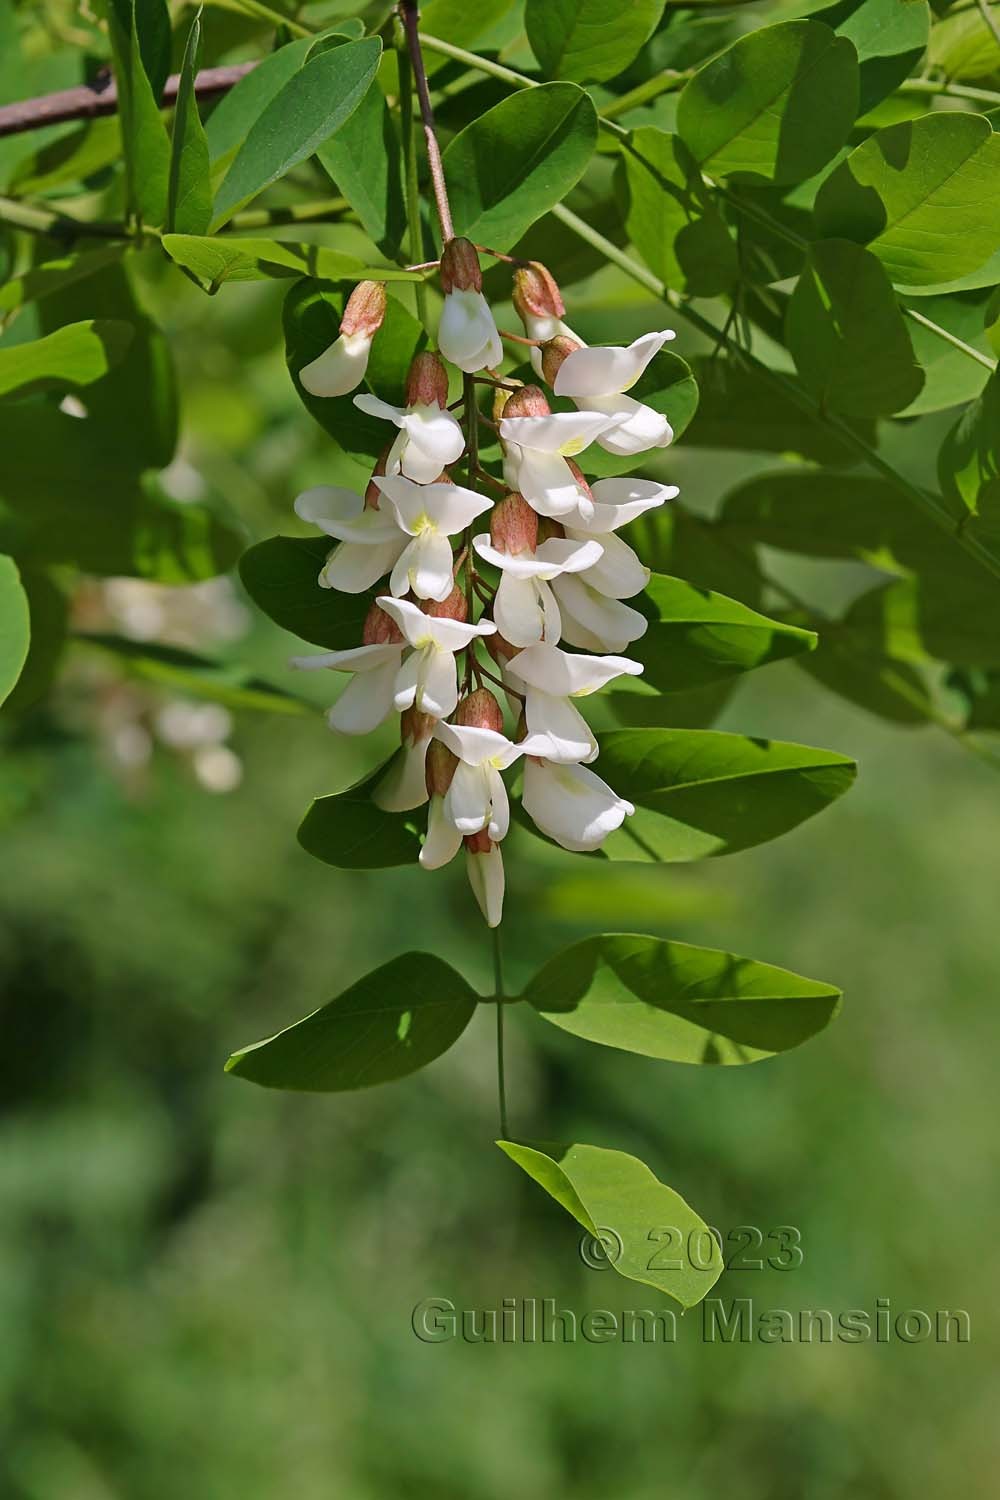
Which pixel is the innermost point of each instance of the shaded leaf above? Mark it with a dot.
(890, 37)
(228, 683)
(347, 830)
(15, 626)
(397, 1019)
(280, 575)
(737, 411)
(53, 275)
(617, 1199)
(218, 259)
(671, 221)
(240, 108)
(139, 31)
(969, 461)
(674, 1001)
(189, 192)
(364, 159)
(75, 355)
(588, 41)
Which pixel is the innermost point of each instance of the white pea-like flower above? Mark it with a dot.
(428, 515)
(404, 785)
(537, 443)
(371, 542)
(618, 573)
(593, 621)
(539, 304)
(477, 798)
(597, 380)
(368, 698)
(467, 334)
(549, 680)
(484, 867)
(342, 367)
(429, 436)
(427, 679)
(525, 608)
(571, 804)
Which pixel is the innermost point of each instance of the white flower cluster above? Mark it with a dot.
(556, 571)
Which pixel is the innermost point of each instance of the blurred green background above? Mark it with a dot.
(206, 1287)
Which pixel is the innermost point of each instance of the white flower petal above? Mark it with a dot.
(328, 502)
(499, 822)
(447, 508)
(566, 675)
(375, 407)
(592, 621)
(355, 659)
(468, 335)
(435, 440)
(354, 566)
(407, 682)
(437, 690)
(443, 839)
(636, 429)
(554, 556)
(404, 785)
(409, 617)
(365, 702)
(486, 878)
(455, 635)
(619, 574)
(619, 501)
(520, 609)
(474, 747)
(467, 800)
(605, 372)
(546, 482)
(571, 804)
(558, 726)
(565, 432)
(426, 567)
(340, 368)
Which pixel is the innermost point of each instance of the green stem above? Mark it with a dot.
(660, 83)
(59, 226)
(292, 213)
(942, 86)
(264, 13)
(415, 237)
(931, 505)
(499, 996)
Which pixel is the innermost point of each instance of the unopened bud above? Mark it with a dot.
(365, 309)
(536, 293)
(500, 648)
(380, 629)
(529, 401)
(414, 726)
(373, 494)
(478, 843)
(577, 473)
(460, 269)
(548, 528)
(455, 607)
(553, 354)
(480, 710)
(439, 768)
(514, 525)
(427, 382)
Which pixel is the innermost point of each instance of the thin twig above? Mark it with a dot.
(409, 16)
(498, 987)
(91, 100)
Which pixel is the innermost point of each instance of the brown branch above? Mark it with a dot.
(408, 14)
(92, 100)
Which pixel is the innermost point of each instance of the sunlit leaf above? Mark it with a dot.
(672, 221)
(74, 356)
(217, 259)
(15, 626)
(189, 194)
(364, 159)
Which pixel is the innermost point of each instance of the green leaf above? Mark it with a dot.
(75, 355)
(948, 614)
(305, 112)
(230, 121)
(53, 275)
(588, 41)
(846, 333)
(969, 461)
(196, 676)
(673, 1001)
(852, 669)
(699, 792)
(218, 259)
(671, 220)
(140, 42)
(737, 411)
(518, 160)
(15, 626)
(776, 105)
(364, 159)
(397, 1019)
(189, 193)
(49, 610)
(618, 1200)
(921, 195)
(348, 831)
(280, 575)
(890, 37)
(963, 46)
(697, 637)
(311, 319)
(668, 386)
(950, 376)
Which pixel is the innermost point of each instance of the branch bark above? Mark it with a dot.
(91, 100)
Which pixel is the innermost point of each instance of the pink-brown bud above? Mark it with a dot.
(500, 648)
(480, 710)
(414, 726)
(460, 269)
(548, 528)
(536, 293)
(439, 768)
(553, 354)
(373, 494)
(529, 401)
(365, 309)
(455, 607)
(577, 473)
(427, 382)
(380, 629)
(514, 525)
(478, 843)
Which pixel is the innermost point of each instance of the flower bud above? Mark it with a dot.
(577, 474)
(514, 525)
(500, 648)
(414, 726)
(439, 769)
(427, 382)
(455, 607)
(365, 309)
(460, 269)
(480, 710)
(529, 401)
(380, 629)
(478, 843)
(373, 494)
(536, 294)
(553, 353)
(548, 528)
